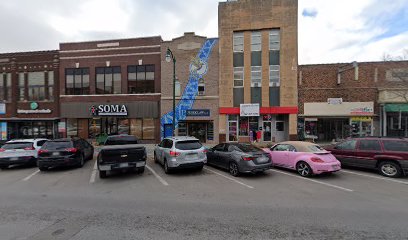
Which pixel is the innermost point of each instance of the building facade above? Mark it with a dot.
(196, 88)
(258, 70)
(111, 87)
(337, 101)
(29, 95)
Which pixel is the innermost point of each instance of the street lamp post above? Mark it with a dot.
(169, 57)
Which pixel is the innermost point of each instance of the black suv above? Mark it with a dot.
(64, 152)
(388, 155)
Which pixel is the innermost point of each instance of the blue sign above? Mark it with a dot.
(2, 108)
(198, 113)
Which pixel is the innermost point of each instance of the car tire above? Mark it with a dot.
(141, 170)
(4, 167)
(304, 169)
(155, 158)
(200, 168)
(390, 169)
(91, 156)
(43, 169)
(166, 167)
(103, 174)
(233, 169)
(81, 161)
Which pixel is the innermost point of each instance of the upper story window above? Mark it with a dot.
(50, 90)
(274, 58)
(238, 59)
(256, 41)
(201, 87)
(21, 87)
(238, 77)
(238, 42)
(141, 79)
(108, 80)
(77, 81)
(5, 87)
(36, 86)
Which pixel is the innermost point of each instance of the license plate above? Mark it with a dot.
(336, 167)
(13, 158)
(140, 164)
(262, 160)
(55, 153)
(123, 165)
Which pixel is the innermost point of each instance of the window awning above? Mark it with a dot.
(396, 107)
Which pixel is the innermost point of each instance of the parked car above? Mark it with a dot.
(388, 155)
(239, 158)
(180, 152)
(64, 153)
(304, 157)
(20, 152)
(121, 152)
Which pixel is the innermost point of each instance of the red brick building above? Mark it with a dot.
(29, 94)
(111, 87)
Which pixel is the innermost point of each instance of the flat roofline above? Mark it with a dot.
(117, 39)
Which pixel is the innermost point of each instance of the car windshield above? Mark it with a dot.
(248, 148)
(121, 140)
(57, 145)
(188, 145)
(17, 145)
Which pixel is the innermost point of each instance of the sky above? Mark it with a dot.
(330, 31)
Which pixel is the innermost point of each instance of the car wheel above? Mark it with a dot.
(390, 169)
(43, 169)
(166, 167)
(91, 156)
(3, 167)
(233, 169)
(155, 158)
(141, 170)
(103, 174)
(304, 169)
(81, 161)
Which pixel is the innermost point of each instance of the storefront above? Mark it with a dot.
(395, 119)
(91, 120)
(337, 120)
(253, 123)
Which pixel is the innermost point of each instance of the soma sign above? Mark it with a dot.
(109, 110)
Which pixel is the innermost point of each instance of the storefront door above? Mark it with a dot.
(280, 131)
(267, 134)
(198, 130)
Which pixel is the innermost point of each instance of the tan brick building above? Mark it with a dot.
(197, 62)
(353, 99)
(258, 68)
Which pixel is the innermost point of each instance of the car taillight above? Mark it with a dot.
(316, 160)
(29, 148)
(42, 151)
(247, 158)
(71, 150)
(2, 150)
(174, 153)
(205, 151)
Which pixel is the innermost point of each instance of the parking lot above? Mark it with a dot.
(351, 204)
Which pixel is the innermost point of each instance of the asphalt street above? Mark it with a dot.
(209, 204)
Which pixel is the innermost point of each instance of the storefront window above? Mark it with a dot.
(35, 129)
(311, 129)
(182, 129)
(136, 128)
(123, 126)
(94, 127)
(232, 131)
(72, 127)
(210, 131)
(148, 128)
(243, 126)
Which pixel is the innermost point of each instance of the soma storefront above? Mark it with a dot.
(93, 120)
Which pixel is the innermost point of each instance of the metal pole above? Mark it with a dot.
(174, 95)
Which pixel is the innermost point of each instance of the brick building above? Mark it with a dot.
(352, 99)
(29, 94)
(258, 69)
(111, 87)
(196, 87)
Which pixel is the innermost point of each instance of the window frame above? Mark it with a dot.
(111, 74)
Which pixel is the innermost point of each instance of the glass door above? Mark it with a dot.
(267, 136)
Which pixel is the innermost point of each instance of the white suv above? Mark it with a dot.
(20, 152)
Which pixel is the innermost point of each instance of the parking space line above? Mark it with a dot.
(93, 174)
(383, 178)
(157, 176)
(234, 180)
(315, 181)
(30, 176)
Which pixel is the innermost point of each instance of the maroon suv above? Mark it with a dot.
(388, 155)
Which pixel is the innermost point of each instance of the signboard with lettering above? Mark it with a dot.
(361, 111)
(2, 108)
(361, 119)
(198, 113)
(109, 110)
(335, 101)
(3, 131)
(249, 110)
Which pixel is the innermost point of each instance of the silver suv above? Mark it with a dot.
(180, 152)
(20, 152)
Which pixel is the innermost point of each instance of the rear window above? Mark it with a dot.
(57, 145)
(188, 145)
(121, 140)
(396, 146)
(17, 145)
(248, 148)
(315, 148)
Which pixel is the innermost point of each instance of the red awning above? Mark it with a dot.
(263, 110)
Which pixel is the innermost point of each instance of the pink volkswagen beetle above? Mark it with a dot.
(304, 157)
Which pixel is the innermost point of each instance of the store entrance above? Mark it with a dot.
(198, 130)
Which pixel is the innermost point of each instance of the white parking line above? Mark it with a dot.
(157, 176)
(234, 180)
(382, 178)
(30, 176)
(315, 181)
(93, 174)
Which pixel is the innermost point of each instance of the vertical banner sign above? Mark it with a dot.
(2, 108)
(3, 130)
